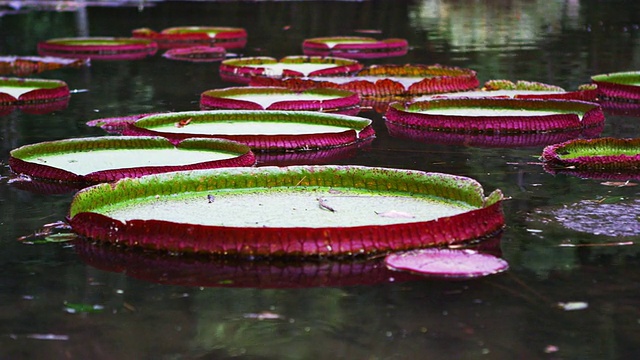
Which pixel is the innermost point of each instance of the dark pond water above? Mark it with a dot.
(572, 292)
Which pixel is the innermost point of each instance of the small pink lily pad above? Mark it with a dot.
(34, 96)
(447, 263)
(196, 54)
(355, 47)
(98, 48)
(189, 36)
(620, 85)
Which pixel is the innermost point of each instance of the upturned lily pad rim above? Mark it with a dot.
(188, 36)
(219, 98)
(617, 155)
(99, 47)
(356, 128)
(487, 217)
(46, 91)
(622, 85)
(196, 53)
(567, 118)
(19, 157)
(27, 65)
(355, 47)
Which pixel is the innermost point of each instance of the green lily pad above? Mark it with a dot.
(301, 211)
(98, 48)
(36, 96)
(280, 98)
(619, 85)
(496, 116)
(189, 36)
(27, 65)
(100, 159)
(355, 47)
(268, 130)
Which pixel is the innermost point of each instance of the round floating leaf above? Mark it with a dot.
(103, 159)
(520, 90)
(447, 263)
(197, 54)
(299, 211)
(117, 125)
(206, 271)
(281, 98)
(267, 130)
(35, 96)
(243, 69)
(354, 47)
(496, 116)
(99, 48)
(619, 85)
(595, 157)
(27, 65)
(190, 36)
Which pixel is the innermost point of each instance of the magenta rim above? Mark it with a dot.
(353, 47)
(99, 48)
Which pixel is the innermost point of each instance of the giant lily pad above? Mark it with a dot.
(380, 84)
(189, 36)
(301, 211)
(103, 159)
(496, 116)
(620, 158)
(196, 54)
(98, 48)
(280, 98)
(27, 65)
(241, 70)
(268, 130)
(520, 90)
(354, 47)
(446, 263)
(118, 124)
(619, 85)
(35, 96)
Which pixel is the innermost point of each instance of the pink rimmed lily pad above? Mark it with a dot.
(355, 47)
(496, 116)
(196, 54)
(98, 48)
(118, 124)
(608, 157)
(385, 83)
(262, 130)
(619, 85)
(190, 36)
(27, 65)
(105, 159)
(241, 70)
(520, 90)
(281, 98)
(287, 211)
(35, 96)
(447, 263)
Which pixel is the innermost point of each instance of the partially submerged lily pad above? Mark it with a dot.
(355, 47)
(301, 211)
(520, 90)
(496, 116)
(103, 159)
(281, 98)
(118, 124)
(27, 65)
(595, 157)
(619, 85)
(35, 96)
(447, 263)
(266, 130)
(189, 36)
(196, 54)
(241, 70)
(98, 48)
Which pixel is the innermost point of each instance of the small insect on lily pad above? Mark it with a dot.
(447, 263)
(27, 65)
(196, 54)
(355, 47)
(36, 96)
(189, 36)
(620, 158)
(520, 90)
(288, 211)
(98, 48)
(104, 159)
(496, 116)
(619, 85)
(262, 130)
(241, 70)
(281, 98)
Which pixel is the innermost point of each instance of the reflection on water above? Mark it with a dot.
(515, 315)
